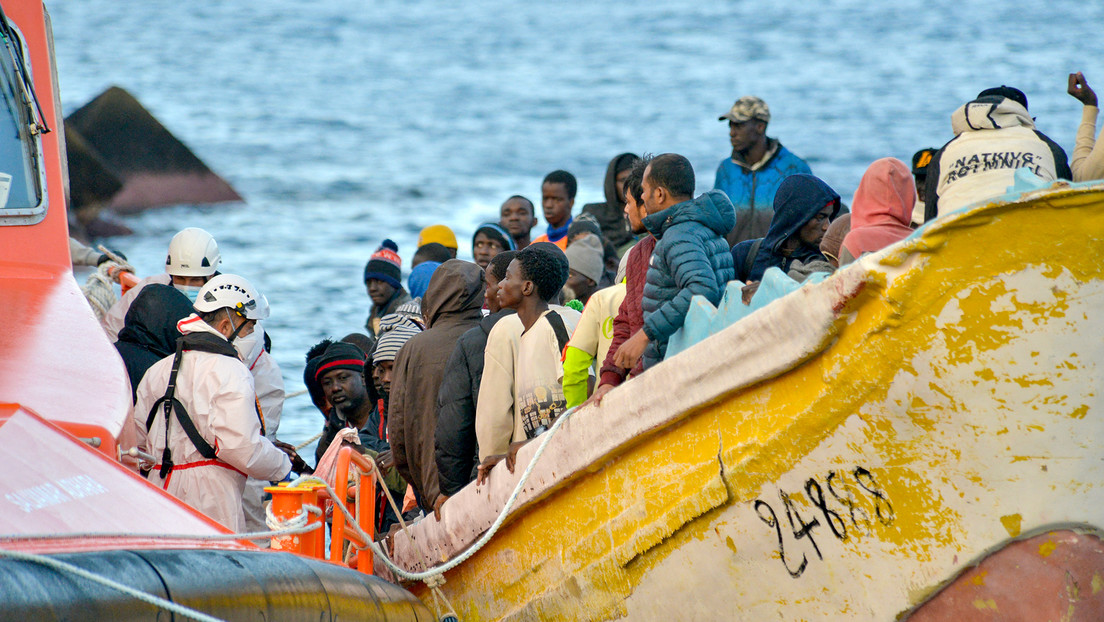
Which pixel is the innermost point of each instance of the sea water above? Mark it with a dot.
(344, 122)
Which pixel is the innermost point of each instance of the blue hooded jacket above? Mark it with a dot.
(691, 257)
(752, 191)
(797, 201)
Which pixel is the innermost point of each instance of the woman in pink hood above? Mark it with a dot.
(882, 209)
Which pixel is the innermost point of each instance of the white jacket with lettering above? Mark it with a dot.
(217, 393)
(994, 136)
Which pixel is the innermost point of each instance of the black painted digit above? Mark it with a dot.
(881, 501)
(806, 530)
(848, 501)
(835, 522)
(772, 521)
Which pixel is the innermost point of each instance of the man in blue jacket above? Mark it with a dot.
(691, 255)
(750, 177)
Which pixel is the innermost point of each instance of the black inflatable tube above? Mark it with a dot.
(228, 584)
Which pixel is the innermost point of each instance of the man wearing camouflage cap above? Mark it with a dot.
(757, 166)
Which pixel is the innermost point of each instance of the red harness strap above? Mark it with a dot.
(192, 465)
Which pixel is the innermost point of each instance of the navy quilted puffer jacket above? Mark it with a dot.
(691, 257)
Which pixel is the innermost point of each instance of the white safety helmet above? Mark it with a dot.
(231, 291)
(192, 252)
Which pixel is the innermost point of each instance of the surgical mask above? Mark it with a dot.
(191, 291)
(237, 332)
(250, 346)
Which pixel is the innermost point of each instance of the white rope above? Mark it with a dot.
(292, 524)
(440, 570)
(156, 601)
(309, 441)
(295, 393)
(124, 265)
(99, 290)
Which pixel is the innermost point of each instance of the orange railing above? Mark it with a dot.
(364, 511)
(125, 278)
(288, 502)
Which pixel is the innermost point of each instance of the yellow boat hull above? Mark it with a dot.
(845, 452)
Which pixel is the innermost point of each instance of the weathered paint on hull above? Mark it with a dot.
(948, 406)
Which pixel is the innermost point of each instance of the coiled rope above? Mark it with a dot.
(99, 290)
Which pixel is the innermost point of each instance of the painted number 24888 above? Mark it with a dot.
(842, 513)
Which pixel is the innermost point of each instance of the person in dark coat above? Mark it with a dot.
(452, 305)
(803, 208)
(455, 448)
(149, 331)
(611, 214)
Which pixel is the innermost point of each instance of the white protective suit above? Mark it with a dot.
(269, 383)
(113, 322)
(217, 393)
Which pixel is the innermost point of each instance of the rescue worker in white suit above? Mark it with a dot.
(196, 411)
(268, 382)
(193, 260)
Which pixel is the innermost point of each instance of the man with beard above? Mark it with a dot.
(357, 405)
(340, 374)
(758, 164)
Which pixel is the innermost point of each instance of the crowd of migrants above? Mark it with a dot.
(469, 361)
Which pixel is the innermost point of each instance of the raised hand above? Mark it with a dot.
(1080, 90)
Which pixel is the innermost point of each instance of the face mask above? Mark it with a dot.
(191, 291)
(250, 346)
(237, 332)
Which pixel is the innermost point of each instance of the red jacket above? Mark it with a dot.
(630, 315)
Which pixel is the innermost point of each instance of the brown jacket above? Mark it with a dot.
(451, 306)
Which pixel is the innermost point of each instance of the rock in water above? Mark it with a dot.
(91, 180)
(154, 166)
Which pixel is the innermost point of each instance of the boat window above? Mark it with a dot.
(20, 181)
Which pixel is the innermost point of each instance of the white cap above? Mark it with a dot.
(232, 292)
(192, 252)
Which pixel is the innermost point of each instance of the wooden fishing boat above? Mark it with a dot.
(915, 437)
(71, 513)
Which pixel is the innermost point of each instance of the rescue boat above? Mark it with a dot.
(914, 437)
(82, 536)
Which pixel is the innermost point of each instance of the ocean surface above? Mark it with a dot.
(346, 122)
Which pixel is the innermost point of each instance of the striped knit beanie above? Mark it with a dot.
(394, 331)
(385, 265)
